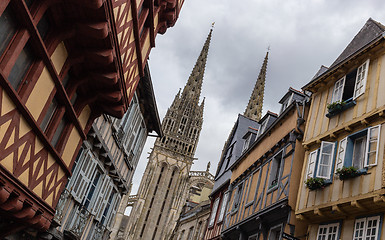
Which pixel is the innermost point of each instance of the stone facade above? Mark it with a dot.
(164, 187)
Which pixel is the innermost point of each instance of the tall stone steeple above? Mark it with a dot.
(164, 186)
(254, 108)
(183, 121)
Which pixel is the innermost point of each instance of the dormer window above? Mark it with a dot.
(246, 143)
(286, 103)
(352, 85)
(263, 126)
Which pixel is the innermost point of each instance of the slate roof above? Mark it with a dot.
(369, 32)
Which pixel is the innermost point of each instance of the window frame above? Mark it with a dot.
(365, 220)
(214, 212)
(278, 172)
(362, 80)
(237, 197)
(327, 227)
(223, 207)
(320, 157)
(346, 151)
(275, 228)
(340, 88)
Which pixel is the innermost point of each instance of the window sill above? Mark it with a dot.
(340, 108)
(359, 172)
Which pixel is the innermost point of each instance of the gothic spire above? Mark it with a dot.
(254, 108)
(193, 87)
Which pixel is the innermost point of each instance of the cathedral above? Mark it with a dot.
(165, 185)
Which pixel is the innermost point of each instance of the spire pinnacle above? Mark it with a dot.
(193, 87)
(254, 108)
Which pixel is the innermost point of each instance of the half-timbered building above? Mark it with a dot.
(63, 64)
(265, 178)
(342, 187)
(246, 127)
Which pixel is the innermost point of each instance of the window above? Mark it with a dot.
(58, 132)
(214, 211)
(181, 235)
(223, 207)
(49, 114)
(352, 85)
(362, 73)
(237, 197)
(338, 90)
(246, 143)
(328, 232)
(7, 28)
(253, 237)
(275, 169)
(275, 233)
(359, 149)
(21, 67)
(366, 228)
(190, 233)
(320, 161)
(91, 189)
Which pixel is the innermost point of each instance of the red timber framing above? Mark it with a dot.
(105, 45)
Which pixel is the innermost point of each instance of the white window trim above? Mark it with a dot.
(341, 89)
(364, 79)
(222, 211)
(341, 154)
(365, 220)
(214, 211)
(246, 143)
(366, 164)
(311, 164)
(331, 160)
(279, 226)
(328, 226)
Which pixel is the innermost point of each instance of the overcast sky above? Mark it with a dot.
(302, 35)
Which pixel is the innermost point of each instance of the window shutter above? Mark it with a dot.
(83, 176)
(341, 154)
(100, 195)
(372, 146)
(325, 161)
(362, 74)
(104, 194)
(114, 209)
(311, 164)
(338, 90)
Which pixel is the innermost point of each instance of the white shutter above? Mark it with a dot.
(325, 160)
(341, 154)
(372, 146)
(312, 159)
(338, 90)
(103, 196)
(114, 208)
(362, 74)
(83, 176)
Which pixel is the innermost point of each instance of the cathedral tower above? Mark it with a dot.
(163, 188)
(254, 108)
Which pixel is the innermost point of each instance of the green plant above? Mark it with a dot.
(315, 183)
(347, 172)
(335, 105)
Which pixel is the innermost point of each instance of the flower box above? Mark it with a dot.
(315, 183)
(338, 107)
(348, 172)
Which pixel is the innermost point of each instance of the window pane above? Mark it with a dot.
(48, 116)
(21, 67)
(43, 26)
(325, 162)
(359, 152)
(7, 28)
(58, 132)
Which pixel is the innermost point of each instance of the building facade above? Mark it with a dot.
(62, 65)
(193, 219)
(265, 178)
(248, 122)
(341, 195)
(103, 171)
(164, 186)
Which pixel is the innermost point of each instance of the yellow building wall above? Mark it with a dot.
(40, 93)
